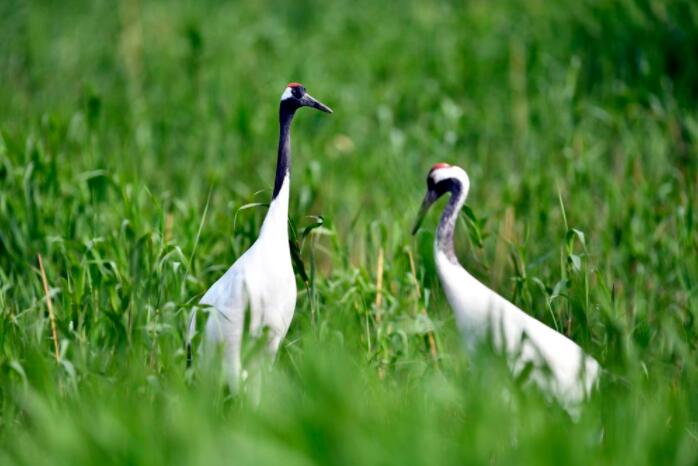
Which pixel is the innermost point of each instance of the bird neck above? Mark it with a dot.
(283, 161)
(447, 225)
(276, 221)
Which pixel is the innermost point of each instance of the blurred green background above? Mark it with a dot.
(132, 132)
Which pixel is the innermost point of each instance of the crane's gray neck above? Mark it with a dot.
(447, 225)
(283, 161)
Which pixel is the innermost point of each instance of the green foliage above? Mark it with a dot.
(136, 138)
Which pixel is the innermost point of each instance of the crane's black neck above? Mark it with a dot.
(447, 225)
(283, 161)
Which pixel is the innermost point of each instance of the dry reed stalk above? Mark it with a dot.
(51, 317)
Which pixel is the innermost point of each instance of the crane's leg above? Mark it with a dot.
(273, 344)
(259, 357)
(224, 332)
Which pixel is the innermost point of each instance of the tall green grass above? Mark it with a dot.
(131, 135)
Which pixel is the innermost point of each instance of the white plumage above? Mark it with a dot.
(559, 366)
(260, 283)
(258, 292)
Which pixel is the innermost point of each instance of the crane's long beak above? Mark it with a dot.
(308, 101)
(429, 199)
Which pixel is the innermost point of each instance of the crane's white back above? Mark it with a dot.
(481, 313)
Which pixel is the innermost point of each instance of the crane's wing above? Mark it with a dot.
(229, 298)
(526, 342)
(575, 373)
(557, 363)
(533, 343)
(228, 294)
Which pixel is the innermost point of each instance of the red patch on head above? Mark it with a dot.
(295, 85)
(436, 166)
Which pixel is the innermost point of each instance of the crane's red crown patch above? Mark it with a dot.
(294, 84)
(436, 166)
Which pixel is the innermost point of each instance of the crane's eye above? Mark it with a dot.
(298, 91)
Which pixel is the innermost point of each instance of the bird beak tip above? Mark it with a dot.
(429, 199)
(323, 108)
(417, 223)
(309, 101)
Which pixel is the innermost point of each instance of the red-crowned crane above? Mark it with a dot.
(260, 286)
(558, 365)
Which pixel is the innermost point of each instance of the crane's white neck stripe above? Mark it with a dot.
(288, 93)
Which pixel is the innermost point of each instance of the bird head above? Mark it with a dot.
(295, 97)
(442, 178)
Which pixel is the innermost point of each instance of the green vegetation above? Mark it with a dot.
(131, 135)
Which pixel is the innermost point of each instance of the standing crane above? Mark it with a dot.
(260, 286)
(558, 365)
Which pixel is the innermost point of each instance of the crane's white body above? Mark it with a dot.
(259, 285)
(481, 313)
(558, 365)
